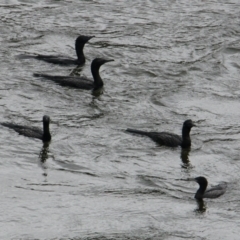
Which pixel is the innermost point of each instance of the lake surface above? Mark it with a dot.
(174, 60)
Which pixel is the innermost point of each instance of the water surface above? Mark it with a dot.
(174, 60)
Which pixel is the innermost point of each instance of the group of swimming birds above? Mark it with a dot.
(162, 138)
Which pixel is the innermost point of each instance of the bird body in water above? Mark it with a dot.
(80, 82)
(79, 45)
(214, 192)
(170, 139)
(32, 132)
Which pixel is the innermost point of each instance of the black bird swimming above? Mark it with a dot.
(79, 45)
(170, 139)
(80, 82)
(32, 132)
(213, 192)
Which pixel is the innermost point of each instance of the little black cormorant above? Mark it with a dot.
(32, 132)
(170, 139)
(213, 192)
(80, 82)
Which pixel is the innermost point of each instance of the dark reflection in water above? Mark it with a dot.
(76, 71)
(98, 92)
(201, 208)
(185, 158)
(43, 156)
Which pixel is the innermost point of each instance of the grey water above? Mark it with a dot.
(174, 60)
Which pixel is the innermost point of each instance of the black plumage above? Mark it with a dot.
(169, 139)
(79, 45)
(33, 132)
(80, 82)
(214, 192)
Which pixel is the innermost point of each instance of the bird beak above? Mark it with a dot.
(87, 38)
(110, 60)
(187, 179)
(192, 179)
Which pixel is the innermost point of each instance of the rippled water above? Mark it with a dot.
(174, 60)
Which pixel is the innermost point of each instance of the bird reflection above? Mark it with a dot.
(43, 156)
(96, 93)
(76, 71)
(185, 158)
(201, 208)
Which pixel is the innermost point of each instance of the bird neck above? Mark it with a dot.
(200, 192)
(79, 52)
(46, 132)
(186, 140)
(98, 82)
